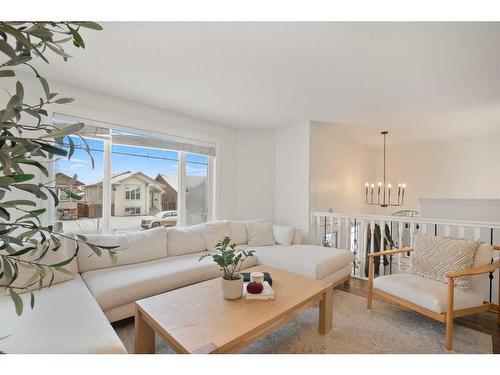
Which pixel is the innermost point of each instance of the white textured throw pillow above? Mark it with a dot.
(432, 257)
(283, 235)
(260, 234)
(214, 232)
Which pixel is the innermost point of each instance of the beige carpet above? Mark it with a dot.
(385, 329)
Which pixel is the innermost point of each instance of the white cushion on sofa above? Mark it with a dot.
(260, 234)
(185, 240)
(283, 235)
(66, 319)
(428, 293)
(307, 260)
(214, 232)
(121, 285)
(134, 247)
(238, 230)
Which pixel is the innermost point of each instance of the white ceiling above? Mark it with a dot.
(421, 81)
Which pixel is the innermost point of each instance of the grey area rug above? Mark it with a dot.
(385, 329)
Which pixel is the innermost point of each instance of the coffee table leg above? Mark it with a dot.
(144, 335)
(325, 312)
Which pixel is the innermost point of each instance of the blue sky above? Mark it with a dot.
(137, 160)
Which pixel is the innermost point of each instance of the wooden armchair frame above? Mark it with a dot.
(447, 317)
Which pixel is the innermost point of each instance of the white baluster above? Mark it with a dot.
(339, 233)
(331, 232)
(348, 234)
(318, 230)
(412, 233)
(400, 239)
(447, 231)
(362, 247)
(461, 231)
(423, 228)
(372, 233)
(477, 233)
(382, 247)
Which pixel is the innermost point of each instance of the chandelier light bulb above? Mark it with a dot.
(367, 184)
(389, 186)
(373, 185)
(379, 184)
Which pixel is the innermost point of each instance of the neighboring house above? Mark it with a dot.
(70, 208)
(170, 184)
(133, 193)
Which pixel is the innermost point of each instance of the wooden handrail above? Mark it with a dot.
(390, 252)
(474, 271)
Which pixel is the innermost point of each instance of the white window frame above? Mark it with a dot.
(107, 187)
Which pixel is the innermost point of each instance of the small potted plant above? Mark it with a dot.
(230, 260)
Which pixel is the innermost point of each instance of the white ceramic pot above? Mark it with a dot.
(232, 289)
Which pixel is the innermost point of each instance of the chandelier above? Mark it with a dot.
(381, 194)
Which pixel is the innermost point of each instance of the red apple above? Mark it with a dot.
(255, 288)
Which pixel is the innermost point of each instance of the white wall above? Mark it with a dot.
(340, 166)
(458, 169)
(292, 177)
(116, 111)
(255, 173)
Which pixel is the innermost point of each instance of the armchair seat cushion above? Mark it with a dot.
(427, 293)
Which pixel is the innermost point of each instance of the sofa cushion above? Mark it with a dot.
(214, 232)
(260, 234)
(433, 257)
(185, 240)
(24, 278)
(238, 230)
(307, 260)
(121, 285)
(283, 235)
(134, 247)
(65, 319)
(428, 293)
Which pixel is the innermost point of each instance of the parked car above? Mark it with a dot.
(163, 218)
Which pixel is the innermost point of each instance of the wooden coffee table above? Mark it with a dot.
(196, 319)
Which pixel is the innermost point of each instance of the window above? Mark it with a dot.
(136, 174)
(133, 192)
(132, 210)
(196, 167)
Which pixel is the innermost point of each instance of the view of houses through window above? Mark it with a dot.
(144, 183)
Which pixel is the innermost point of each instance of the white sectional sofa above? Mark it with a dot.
(74, 315)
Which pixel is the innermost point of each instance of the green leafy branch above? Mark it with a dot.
(28, 141)
(229, 258)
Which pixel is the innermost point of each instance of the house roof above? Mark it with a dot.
(170, 179)
(63, 179)
(173, 180)
(119, 178)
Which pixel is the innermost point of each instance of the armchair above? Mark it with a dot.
(434, 299)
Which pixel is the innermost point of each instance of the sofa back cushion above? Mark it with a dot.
(25, 274)
(214, 232)
(283, 235)
(134, 247)
(238, 230)
(185, 240)
(260, 234)
(433, 256)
